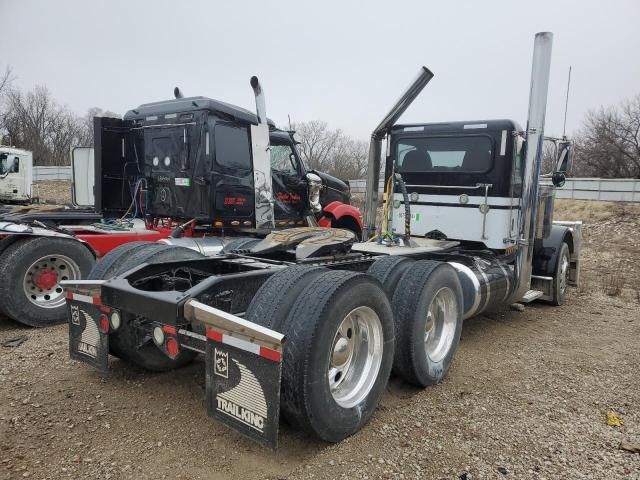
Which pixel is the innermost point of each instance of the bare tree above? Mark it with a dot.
(86, 124)
(609, 144)
(331, 151)
(34, 121)
(5, 80)
(5, 84)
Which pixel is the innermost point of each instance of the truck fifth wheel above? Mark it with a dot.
(308, 322)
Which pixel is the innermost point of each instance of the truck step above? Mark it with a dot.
(531, 295)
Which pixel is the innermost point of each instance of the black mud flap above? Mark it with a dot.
(86, 342)
(243, 387)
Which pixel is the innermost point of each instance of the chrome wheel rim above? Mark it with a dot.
(440, 327)
(564, 270)
(41, 282)
(355, 357)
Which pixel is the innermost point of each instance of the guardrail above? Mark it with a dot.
(604, 189)
(51, 173)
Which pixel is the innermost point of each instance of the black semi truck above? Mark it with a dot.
(194, 172)
(309, 323)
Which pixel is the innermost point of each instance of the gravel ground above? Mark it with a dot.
(527, 397)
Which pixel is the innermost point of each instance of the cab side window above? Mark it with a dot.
(283, 160)
(232, 147)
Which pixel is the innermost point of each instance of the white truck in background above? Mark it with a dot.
(16, 175)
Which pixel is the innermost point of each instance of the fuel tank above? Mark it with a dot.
(486, 282)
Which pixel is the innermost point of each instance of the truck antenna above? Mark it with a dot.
(566, 104)
(289, 117)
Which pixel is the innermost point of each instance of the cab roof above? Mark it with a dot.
(470, 126)
(191, 104)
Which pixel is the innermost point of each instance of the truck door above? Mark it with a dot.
(83, 176)
(289, 184)
(117, 164)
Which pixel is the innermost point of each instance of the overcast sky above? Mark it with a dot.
(343, 62)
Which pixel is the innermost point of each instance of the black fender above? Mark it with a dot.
(546, 251)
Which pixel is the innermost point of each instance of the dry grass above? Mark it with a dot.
(593, 211)
(612, 284)
(54, 191)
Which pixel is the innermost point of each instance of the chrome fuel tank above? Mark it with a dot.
(486, 283)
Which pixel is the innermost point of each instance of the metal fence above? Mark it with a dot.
(51, 173)
(612, 190)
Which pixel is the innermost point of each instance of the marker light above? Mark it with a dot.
(158, 336)
(115, 320)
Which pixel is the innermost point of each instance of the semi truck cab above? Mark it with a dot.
(16, 175)
(199, 158)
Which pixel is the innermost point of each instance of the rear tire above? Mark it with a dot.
(428, 308)
(338, 355)
(388, 270)
(107, 266)
(273, 301)
(30, 272)
(240, 245)
(561, 276)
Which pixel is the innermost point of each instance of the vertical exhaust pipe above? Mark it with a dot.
(533, 158)
(261, 106)
(375, 147)
(261, 157)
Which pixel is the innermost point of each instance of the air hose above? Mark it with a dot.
(384, 235)
(407, 208)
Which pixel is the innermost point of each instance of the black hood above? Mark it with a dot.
(333, 189)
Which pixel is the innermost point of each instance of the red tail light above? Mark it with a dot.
(172, 346)
(103, 324)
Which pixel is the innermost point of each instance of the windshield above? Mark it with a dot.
(8, 164)
(468, 154)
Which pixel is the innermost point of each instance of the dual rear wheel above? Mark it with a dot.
(346, 331)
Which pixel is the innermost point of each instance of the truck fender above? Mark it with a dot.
(11, 237)
(545, 251)
(342, 215)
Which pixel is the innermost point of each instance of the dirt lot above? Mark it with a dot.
(53, 191)
(527, 397)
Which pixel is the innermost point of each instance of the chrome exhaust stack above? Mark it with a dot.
(261, 106)
(261, 153)
(532, 161)
(375, 147)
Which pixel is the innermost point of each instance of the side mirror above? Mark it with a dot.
(565, 157)
(558, 179)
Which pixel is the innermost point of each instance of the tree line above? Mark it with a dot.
(607, 145)
(34, 121)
